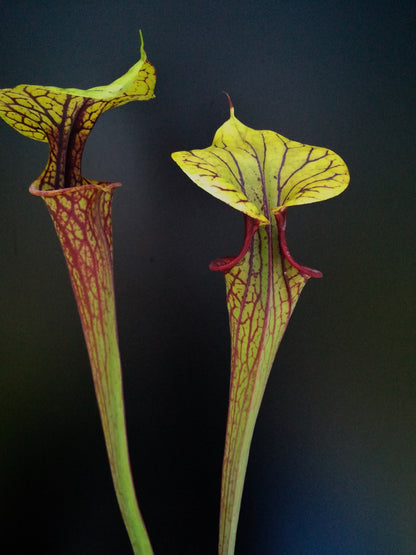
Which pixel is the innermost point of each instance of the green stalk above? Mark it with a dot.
(240, 428)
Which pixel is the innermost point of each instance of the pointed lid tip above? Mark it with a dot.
(230, 103)
(142, 52)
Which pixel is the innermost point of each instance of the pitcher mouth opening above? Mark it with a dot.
(280, 217)
(225, 263)
(99, 185)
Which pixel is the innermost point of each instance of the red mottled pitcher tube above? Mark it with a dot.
(82, 219)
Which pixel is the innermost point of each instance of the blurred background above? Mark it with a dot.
(333, 460)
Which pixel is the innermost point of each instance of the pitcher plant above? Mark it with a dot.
(81, 212)
(261, 174)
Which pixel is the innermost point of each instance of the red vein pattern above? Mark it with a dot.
(257, 171)
(82, 219)
(262, 291)
(64, 119)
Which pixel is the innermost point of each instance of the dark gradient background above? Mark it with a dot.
(333, 460)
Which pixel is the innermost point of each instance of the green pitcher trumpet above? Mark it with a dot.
(261, 174)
